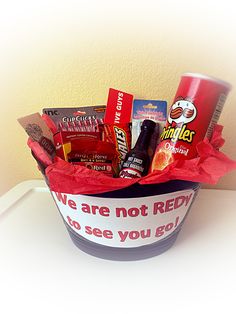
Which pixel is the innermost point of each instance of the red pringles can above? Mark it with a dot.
(196, 109)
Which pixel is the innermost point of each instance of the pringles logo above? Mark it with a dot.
(181, 113)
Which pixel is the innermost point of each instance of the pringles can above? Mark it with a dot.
(196, 109)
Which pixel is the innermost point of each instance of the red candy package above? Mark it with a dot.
(65, 140)
(93, 154)
(120, 135)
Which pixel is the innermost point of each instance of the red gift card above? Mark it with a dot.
(119, 107)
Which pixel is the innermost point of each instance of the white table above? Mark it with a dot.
(41, 271)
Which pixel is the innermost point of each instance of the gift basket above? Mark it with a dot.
(124, 175)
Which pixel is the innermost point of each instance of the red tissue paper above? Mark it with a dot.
(208, 167)
(39, 153)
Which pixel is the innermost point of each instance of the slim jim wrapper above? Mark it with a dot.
(196, 109)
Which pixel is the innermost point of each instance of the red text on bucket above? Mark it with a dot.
(124, 222)
(158, 207)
